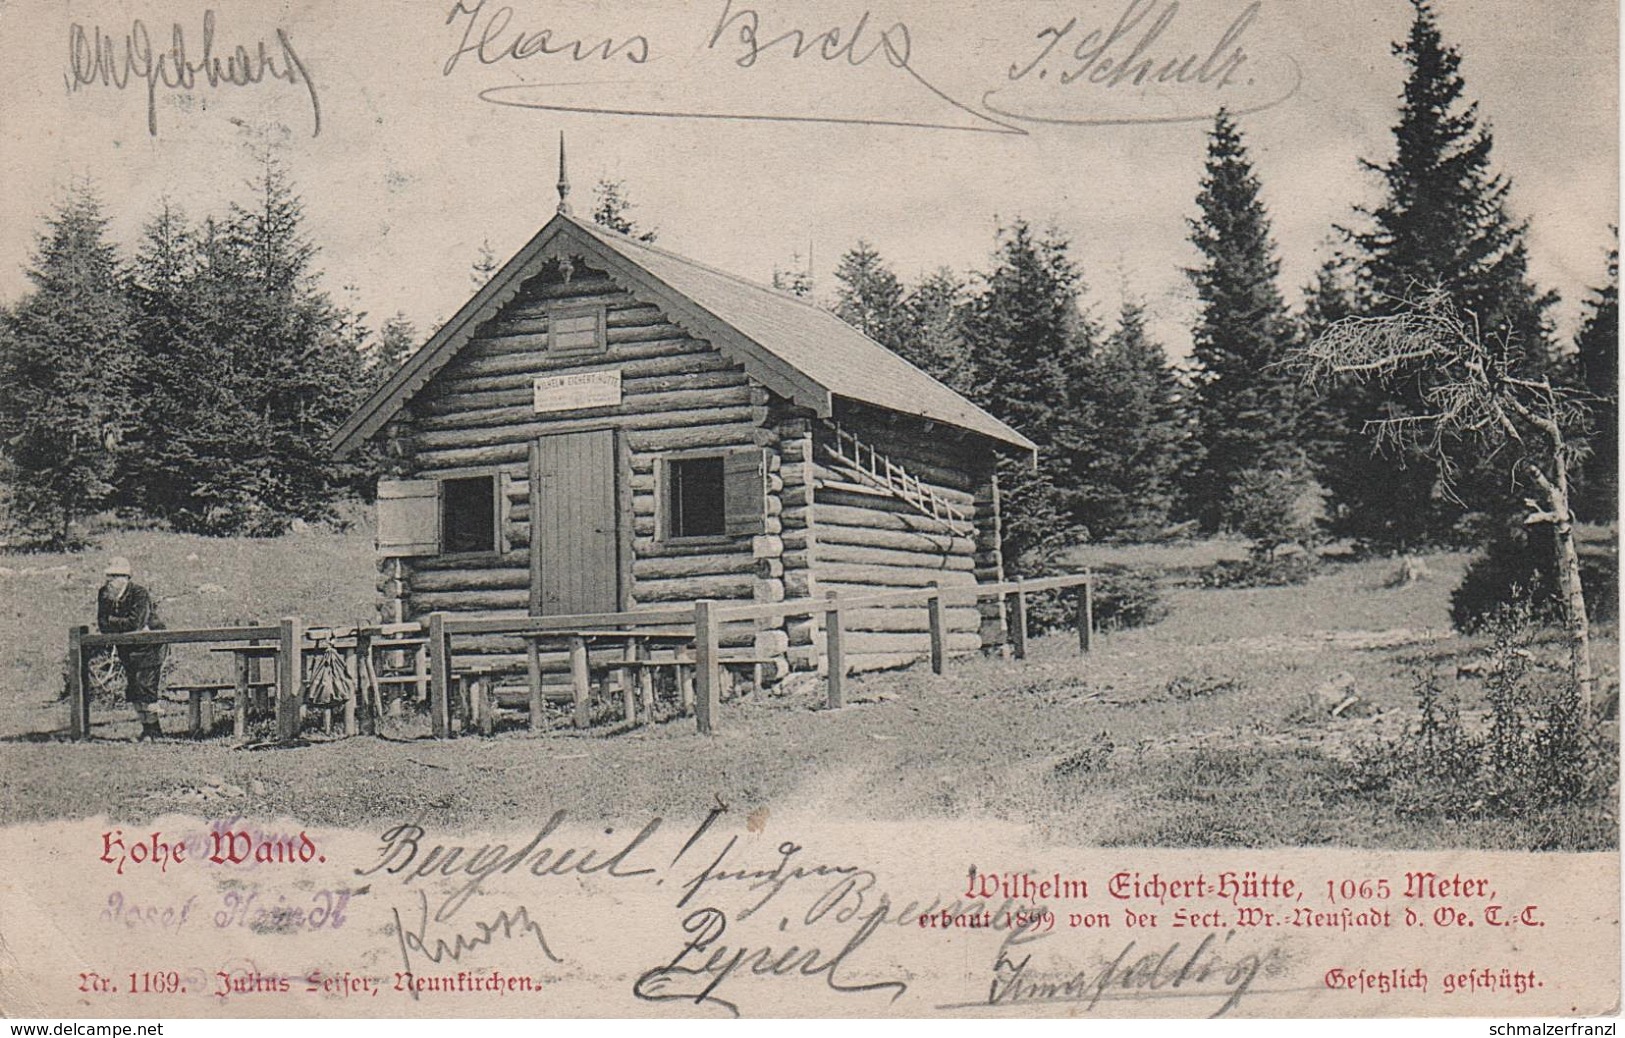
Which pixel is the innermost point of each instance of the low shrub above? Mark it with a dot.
(1281, 571)
(1127, 598)
(1519, 567)
(1190, 687)
(1535, 758)
(1093, 755)
(1275, 504)
(1124, 597)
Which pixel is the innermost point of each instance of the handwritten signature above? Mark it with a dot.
(737, 32)
(704, 964)
(1127, 60)
(94, 57)
(486, 36)
(1160, 973)
(507, 925)
(1132, 54)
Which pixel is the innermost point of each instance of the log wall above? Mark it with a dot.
(678, 393)
(869, 541)
(798, 471)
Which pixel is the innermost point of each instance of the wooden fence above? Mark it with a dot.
(709, 616)
(705, 619)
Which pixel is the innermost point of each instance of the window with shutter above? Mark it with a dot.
(713, 495)
(408, 517)
(693, 497)
(745, 491)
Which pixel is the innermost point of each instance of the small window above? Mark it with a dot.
(468, 515)
(576, 331)
(695, 506)
(714, 495)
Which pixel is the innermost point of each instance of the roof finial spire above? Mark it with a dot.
(564, 179)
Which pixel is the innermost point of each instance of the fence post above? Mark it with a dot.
(533, 674)
(628, 692)
(78, 687)
(261, 699)
(939, 646)
(439, 676)
(485, 705)
(194, 714)
(289, 675)
(356, 674)
(580, 681)
(366, 684)
(685, 688)
(707, 672)
(835, 653)
(646, 685)
(1086, 613)
(239, 708)
(1018, 626)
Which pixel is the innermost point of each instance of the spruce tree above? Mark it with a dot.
(612, 207)
(66, 365)
(1597, 359)
(869, 297)
(485, 265)
(1020, 332)
(305, 354)
(921, 325)
(1442, 224)
(1142, 437)
(796, 279)
(934, 340)
(249, 365)
(1331, 428)
(1084, 437)
(1244, 398)
(182, 379)
(397, 340)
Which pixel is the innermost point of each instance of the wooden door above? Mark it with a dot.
(574, 546)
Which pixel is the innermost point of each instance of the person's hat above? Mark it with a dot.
(117, 566)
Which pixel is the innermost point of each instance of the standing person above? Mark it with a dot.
(123, 606)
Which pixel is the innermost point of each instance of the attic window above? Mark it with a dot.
(579, 331)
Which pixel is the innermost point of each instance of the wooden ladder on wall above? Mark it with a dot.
(874, 469)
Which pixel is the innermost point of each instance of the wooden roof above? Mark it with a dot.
(796, 349)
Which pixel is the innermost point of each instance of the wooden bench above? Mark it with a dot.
(645, 666)
(200, 702)
(478, 685)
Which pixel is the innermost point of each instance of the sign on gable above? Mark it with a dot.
(574, 392)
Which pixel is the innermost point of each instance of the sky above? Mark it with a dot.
(416, 130)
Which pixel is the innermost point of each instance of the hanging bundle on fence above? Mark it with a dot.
(330, 681)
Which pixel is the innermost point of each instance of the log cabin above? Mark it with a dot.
(608, 426)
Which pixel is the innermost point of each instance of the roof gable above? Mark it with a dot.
(795, 349)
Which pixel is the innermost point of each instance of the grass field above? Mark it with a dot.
(1190, 732)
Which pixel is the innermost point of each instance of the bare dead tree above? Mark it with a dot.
(1472, 398)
